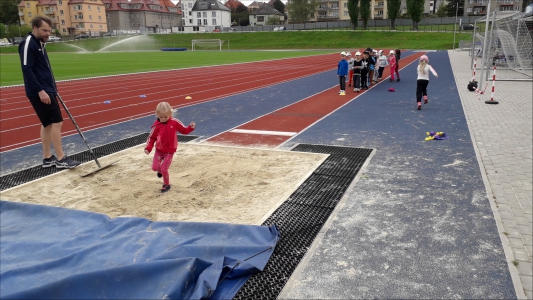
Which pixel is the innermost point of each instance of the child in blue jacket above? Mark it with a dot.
(342, 71)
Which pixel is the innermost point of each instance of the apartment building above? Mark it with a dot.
(69, 16)
(205, 15)
(479, 7)
(147, 16)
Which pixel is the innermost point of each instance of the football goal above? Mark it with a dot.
(207, 44)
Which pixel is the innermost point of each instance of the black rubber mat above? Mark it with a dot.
(301, 217)
(36, 172)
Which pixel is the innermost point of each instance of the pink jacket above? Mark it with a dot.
(164, 135)
(392, 61)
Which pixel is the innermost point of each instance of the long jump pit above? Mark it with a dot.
(208, 184)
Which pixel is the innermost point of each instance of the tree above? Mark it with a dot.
(9, 12)
(415, 8)
(300, 10)
(279, 6)
(393, 11)
(241, 8)
(353, 11)
(364, 10)
(2, 31)
(274, 20)
(451, 8)
(14, 30)
(441, 12)
(242, 19)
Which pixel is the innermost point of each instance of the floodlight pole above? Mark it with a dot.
(487, 15)
(455, 25)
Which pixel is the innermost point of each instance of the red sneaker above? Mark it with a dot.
(419, 106)
(425, 99)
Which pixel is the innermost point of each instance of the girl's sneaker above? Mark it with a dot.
(425, 99)
(419, 106)
(165, 188)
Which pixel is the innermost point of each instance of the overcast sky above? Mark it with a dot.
(243, 1)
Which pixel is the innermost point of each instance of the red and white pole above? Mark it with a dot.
(474, 70)
(491, 101)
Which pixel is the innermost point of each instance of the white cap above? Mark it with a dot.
(348, 54)
(343, 53)
(380, 51)
(374, 51)
(357, 53)
(391, 52)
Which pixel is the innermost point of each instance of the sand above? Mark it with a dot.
(208, 184)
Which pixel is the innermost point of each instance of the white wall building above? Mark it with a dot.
(204, 15)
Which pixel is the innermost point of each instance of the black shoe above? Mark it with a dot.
(398, 80)
(50, 162)
(390, 80)
(165, 188)
(159, 175)
(67, 163)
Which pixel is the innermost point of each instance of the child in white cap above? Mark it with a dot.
(382, 63)
(342, 71)
(357, 66)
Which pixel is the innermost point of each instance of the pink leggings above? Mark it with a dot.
(161, 163)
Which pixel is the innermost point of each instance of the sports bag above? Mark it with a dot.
(472, 85)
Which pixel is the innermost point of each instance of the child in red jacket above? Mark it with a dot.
(163, 134)
(392, 64)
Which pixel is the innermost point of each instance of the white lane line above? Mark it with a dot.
(265, 132)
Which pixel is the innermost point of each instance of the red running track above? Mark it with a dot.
(19, 126)
(275, 128)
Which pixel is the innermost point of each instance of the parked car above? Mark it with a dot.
(216, 30)
(54, 39)
(468, 27)
(5, 43)
(81, 36)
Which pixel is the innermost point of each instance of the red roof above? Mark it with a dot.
(21, 4)
(232, 4)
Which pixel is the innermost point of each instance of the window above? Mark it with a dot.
(199, 21)
(98, 8)
(64, 30)
(61, 12)
(190, 21)
(205, 21)
(60, 3)
(345, 5)
(62, 22)
(469, 9)
(42, 9)
(90, 17)
(380, 12)
(27, 5)
(91, 26)
(205, 14)
(189, 5)
(29, 14)
(214, 21)
(77, 26)
(88, 7)
(261, 19)
(190, 13)
(345, 13)
(198, 14)
(213, 14)
(99, 18)
(100, 26)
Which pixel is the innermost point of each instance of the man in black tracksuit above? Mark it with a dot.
(41, 90)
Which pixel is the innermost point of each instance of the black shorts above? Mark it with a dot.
(47, 113)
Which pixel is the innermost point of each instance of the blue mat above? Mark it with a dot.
(58, 253)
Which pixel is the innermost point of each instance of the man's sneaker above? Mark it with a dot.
(49, 162)
(425, 99)
(159, 175)
(419, 106)
(165, 188)
(67, 163)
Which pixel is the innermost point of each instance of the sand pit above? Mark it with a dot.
(209, 184)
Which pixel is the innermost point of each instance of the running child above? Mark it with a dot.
(342, 71)
(423, 80)
(392, 64)
(163, 134)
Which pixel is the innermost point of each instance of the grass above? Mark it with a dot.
(69, 61)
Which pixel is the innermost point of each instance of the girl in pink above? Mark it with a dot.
(422, 80)
(392, 64)
(163, 134)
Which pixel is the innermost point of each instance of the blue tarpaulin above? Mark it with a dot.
(57, 253)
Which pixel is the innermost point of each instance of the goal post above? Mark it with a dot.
(207, 44)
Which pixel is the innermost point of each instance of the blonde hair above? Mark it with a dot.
(163, 107)
(422, 66)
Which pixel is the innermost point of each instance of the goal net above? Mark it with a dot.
(207, 44)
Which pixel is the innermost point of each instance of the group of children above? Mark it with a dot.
(363, 71)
